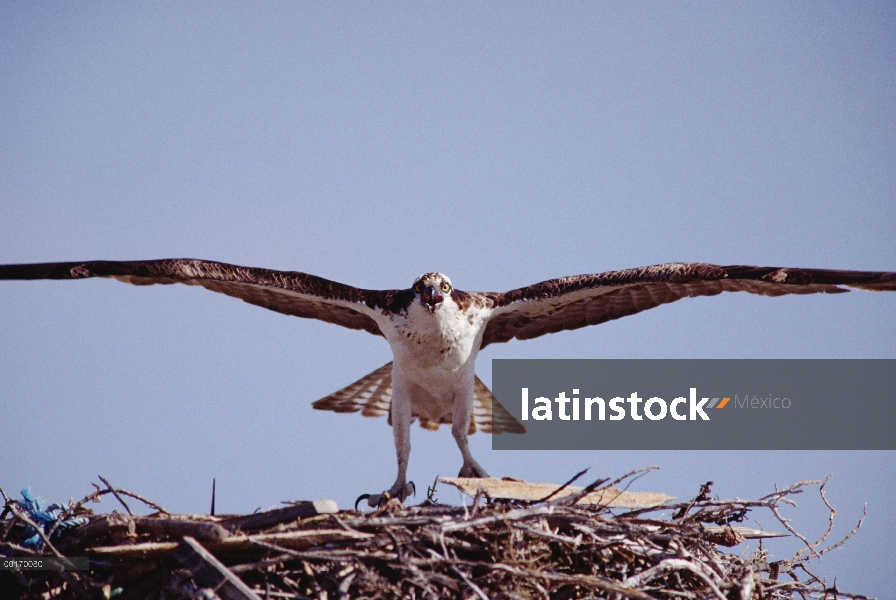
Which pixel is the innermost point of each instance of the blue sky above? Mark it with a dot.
(501, 145)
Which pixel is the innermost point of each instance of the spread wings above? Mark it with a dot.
(574, 302)
(372, 395)
(287, 292)
(524, 313)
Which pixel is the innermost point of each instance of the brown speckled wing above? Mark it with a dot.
(372, 395)
(574, 302)
(287, 292)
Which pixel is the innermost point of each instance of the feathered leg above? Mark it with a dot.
(401, 431)
(463, 412)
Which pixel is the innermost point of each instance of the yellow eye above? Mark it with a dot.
(446, 288)
(418, 287)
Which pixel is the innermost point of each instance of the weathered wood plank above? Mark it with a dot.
(529, 492)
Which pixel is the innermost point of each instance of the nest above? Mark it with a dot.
(550, 548)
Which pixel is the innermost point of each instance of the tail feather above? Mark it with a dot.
(372, 395)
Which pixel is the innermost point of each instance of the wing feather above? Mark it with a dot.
(288, 292)
(574, 302)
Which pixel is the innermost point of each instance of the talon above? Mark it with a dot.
(379, 500)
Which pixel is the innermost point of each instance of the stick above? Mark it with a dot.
(115, 493)
(209, 572)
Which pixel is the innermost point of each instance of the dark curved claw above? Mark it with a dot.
(361, 497)
(379, 500)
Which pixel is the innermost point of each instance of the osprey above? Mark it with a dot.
(436, 331)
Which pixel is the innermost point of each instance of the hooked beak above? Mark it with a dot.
(431, 298)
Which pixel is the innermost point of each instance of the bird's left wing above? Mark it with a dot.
(287, 292)
(574, 302)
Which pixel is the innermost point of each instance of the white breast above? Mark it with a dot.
(435, 349)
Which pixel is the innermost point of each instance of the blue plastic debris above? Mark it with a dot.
(45, 516)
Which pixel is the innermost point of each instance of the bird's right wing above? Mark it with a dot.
(287, 292)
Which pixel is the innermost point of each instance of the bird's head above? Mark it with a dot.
(430, 290)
